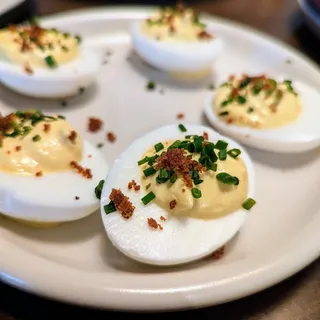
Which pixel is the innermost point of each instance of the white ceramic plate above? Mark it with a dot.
(76, 262)
(311, 16)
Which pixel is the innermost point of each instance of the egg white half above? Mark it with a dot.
(51, 198)
(182, 239)
(299, 136)
(60, 82)
(177, 56)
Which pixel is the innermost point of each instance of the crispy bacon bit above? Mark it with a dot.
(95, 124)
(229, 120)
(204, 35)
(133, 185)
(39, 174)
(183, 190)
(73, 136)
(205, 136)
(273, 108)
(122, 203)
(76, 198)
(152, 223)
(180, 116)
(46, 127)
(18, 148)
(172, 204)
(218, 253)
(163, 218)
(28, 69)
(176, 160)
(86, 173)
(111, 137)
(6, 122)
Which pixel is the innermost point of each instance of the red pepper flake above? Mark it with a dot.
(218, 253)
(180, 116)
(154, 224)
(46, 127)
(163, 218)
(133, 185)
(122, 203)
(205, 136)
(18, 148)
(111, 137)
(83, 171)
(73, 136)
(172, 204)
(39, 174)
(95, 124)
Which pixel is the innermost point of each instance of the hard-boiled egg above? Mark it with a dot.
(175, 41)
(277, 116)
(164, 222)
(45, 63)
(48, 174)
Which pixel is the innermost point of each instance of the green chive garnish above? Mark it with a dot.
(251, 109)
(175, 145)
(108, 208)
(61, 117)
(152, 160)
(241, 99)
(163, 176)
(234, 153)
(213, 167)
(222, 114)
(148, 186)
(98, 189)
(143, 161)
(244, 82)
(220, 145)
(64, 48)
(36, 138)
(226, 178)
(173, 178)
(211, 87)
(196, 193)
(222, 154)
(159, 146)
(100, 145)
(148, 198)
(149, 171)
(78, 38)
(151, 86)
(182, 128)
(51, 62)
(34, 21)
(248, 204)
(198, 143)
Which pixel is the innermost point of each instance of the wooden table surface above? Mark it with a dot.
(297, 298)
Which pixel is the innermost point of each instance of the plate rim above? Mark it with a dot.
(199, 294)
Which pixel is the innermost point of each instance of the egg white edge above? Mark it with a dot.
(173, 132)
(15, 202)
(292, 138)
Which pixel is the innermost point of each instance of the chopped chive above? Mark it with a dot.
(149, 171)
(66, 35)
(234, 153)
(241, 99)
(182, 128)
(143, 161)
(175, 145)
(36, 138)
(248, 204)
(110, 207)
(78, 38)
(196, 193)
(34, 21)
(184, 145)
(222, 114)
(151, 86)
(61, 117)
(244, 82)
(211, 87)
(51, 62)
(212, 166)
(98, 189)
(209, 150)
(163, 176)
(148, 198)
(198, 143)
(173, 177)
(220, 145)
(64, 48)
(148, 186)
(226, 178)
(222, 154)
(26, 130)
(159, 146)
(100, 145)
(256, 90)
(251, 109)
(152, 160)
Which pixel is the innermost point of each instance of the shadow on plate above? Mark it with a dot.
(16, 101)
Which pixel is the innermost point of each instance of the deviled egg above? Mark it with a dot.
(173, 197)
(45, 63)
(268, 114)
(47, 172)
(176, 41)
